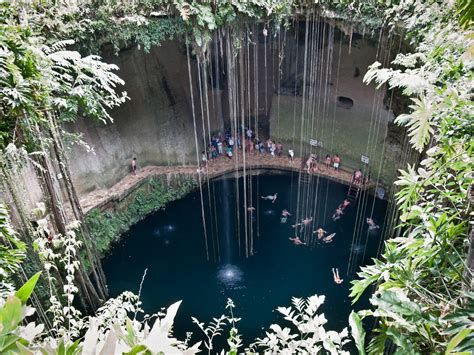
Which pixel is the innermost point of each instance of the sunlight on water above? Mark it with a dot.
(164, 230)
(269, 213)
(229, 275)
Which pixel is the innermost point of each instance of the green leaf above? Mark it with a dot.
(136, 350)
(10, 315)
(377, 344)
(26, 290)
(23, 350)
(357, 332)
(454, 342)
(73, 348)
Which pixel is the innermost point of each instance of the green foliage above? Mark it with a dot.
(14, 340)
(107, 227)
(466, 13)
(26, 290)
(357, 332)
(12, 251)
(420, 299)
(40, 80)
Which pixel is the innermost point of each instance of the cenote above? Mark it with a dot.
(170, 245)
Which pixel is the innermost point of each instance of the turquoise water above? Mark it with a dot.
(170, 245)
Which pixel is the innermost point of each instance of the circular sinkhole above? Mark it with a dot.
(170, 244)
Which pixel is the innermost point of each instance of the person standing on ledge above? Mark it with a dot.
(327, 161)
(134, 166)
(336, 162)
(291, 153)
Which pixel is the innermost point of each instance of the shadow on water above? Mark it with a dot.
(170, 243)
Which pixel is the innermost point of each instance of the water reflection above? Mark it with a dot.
(229, 275)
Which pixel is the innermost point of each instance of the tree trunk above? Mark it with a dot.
(89, 244)
(87, 289)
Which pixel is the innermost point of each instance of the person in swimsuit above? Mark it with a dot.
(335, 275)
(309, 162)
(297, 241)
(270, 197)
(336, 162)
(284, 215)
(327, 161)
(372, 224)
(320, 232)
(357, 177)
(328, 239)
(304, 222)
(344, 204)
(337, 215)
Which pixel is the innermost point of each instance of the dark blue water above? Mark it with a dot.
(170, 244)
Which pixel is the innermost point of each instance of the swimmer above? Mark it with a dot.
(320, 232)
(270, 197)
(284, 216)
(250, 209)
(328, 239)
(297, 241)
(336, 277)
(337, 215)
(304, 222)
(372, 224)
(344, 204)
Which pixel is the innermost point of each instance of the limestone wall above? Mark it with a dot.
(155, 125)
(351, 128)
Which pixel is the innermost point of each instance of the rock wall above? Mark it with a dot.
(349, 117)
(155, 125)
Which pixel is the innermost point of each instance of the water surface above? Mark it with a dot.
(170, 244)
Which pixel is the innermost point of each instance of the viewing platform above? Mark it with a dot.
(215, 168)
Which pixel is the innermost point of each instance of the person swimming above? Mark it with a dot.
(372, 224)
(304, 222)
(270, 197)
(284, 215)
(329, 238)
(297, 241)
(250, 209)
(344, 204)
(338, 214)
(335, 275)
(320, 232)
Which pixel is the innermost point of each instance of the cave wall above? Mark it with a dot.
(155, 125)
(349, 117)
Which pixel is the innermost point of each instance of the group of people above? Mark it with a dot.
(309, 163)
(226, 145)
(269, 146)
(221, 145)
